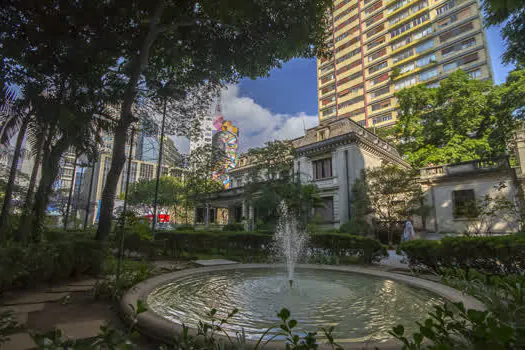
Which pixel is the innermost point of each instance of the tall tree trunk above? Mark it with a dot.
(119, 142)
(50, 170)
(4, 216)
(25, 221)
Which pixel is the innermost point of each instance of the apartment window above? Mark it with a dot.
(349, 78)
(350, 102)
(407, 68)
(458, 47)
(345, 12)
(376, 55)
(322, 168)
(429, 74)
(424, 46)
(328, 111)
(403, 55)
(374, 20)
(342, 3)
(455, 32)
(382, 118)
(349, 66)
(380, 92)
(399, 17)
(346, 22)
(327, 68)
(348, 55)
(346, 45)
(400, 30)
(353, 113)
(445, 8)
(362, 123)
(380, 105)
(328, 89)
(373, 7)
(376, 42)
(352, 90)
(398, 5)
(326, 210)
(421, 19)
(378, 67)
(464, 60)
(382, 78)
(327, 101)
(375, 31)
(401, 84)
(401, 43)
(464, 204)
(433, 85)
(327, 78)
(423, 61)
(422, 33)
(146, 171)
(475, 74)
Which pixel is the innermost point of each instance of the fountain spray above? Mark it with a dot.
(289, 240)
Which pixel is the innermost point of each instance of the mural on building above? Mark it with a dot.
(226, 143)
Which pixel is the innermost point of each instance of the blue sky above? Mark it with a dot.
(293, 88)
(283, 104)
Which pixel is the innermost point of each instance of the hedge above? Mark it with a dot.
(52, 260)
(252, 246)
(493, 254)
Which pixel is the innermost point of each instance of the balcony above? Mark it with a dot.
(463, 168)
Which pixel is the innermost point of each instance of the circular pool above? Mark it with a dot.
(362, 304)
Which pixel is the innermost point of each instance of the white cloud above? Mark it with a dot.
(257, 124)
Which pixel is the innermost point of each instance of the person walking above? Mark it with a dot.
(409, 232)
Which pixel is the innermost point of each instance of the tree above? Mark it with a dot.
(510, 14)
(212, 41)
(143, 192)
(458, 121)
(392, 194)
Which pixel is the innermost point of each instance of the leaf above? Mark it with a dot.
(292, 324)
(399, 330)
(284, 314)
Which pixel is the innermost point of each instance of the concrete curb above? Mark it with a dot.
(154, 326)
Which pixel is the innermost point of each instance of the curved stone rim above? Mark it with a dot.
(157, 327)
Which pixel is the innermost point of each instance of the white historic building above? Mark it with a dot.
(332, 155)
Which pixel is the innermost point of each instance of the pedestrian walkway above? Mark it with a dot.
(69, 307)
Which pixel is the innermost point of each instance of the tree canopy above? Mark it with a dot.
(462, 119)
(510, 14)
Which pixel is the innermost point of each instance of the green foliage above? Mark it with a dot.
(7, 323)
(510, 15)
(391, 193)
(51, 260)
(493, 254)
(451, 326)
(233, 227)
(463, 119)
(169, 194)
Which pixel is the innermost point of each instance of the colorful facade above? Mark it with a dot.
(381, 46)
(226, 144)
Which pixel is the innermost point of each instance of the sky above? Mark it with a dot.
(283, 104)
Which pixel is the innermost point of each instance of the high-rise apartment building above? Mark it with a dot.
(382, 46)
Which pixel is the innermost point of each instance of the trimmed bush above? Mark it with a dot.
(493, 254)
(22, 266)
(233, 227)
(255, 246)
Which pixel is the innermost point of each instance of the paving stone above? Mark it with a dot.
(81, 330)
(89, 282)
(24, 308)
(70, 289)
(215, 262)
(35, 298)
(19, 341)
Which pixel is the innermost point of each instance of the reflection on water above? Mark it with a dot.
(360, 307)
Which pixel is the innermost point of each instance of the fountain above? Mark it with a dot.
(289, 240)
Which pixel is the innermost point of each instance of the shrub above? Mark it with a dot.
(495, 254)
(344, 245)
(185, 228)
(356, 227)
(50, 260)
(233, 227)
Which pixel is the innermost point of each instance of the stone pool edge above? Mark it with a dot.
(155, 326)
